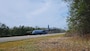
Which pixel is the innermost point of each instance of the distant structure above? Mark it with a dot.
(48, 28)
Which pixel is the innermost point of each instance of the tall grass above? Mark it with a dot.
(49, 43)
(25, 45)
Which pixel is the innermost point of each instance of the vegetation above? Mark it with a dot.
(15, 31)
(56, 30)
(57, 42)
(79, 17)
(27, 44)
(22, 30)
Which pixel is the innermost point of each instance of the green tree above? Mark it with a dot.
(4, 30)
(79, 17)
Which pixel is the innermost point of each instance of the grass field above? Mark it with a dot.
(49, 43)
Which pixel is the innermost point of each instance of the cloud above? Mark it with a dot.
(33, 12)
(42, 9)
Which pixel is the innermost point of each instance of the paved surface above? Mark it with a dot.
(6, 39)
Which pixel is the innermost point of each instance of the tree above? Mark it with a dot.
(4, 30)
(79, 17)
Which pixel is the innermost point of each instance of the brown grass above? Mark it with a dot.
(49, 43)
(25, 45)
(65, 44)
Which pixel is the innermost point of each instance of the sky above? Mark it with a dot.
(34, 13)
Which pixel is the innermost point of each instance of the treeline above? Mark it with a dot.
(5, 31)
(56, 30)
(15, 31)
(79, 17)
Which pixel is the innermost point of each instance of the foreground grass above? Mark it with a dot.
(65, 44)
(25, 45)
(49, 43)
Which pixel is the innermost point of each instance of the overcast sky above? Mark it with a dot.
(34, 13)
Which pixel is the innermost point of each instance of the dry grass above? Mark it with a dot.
(24, 45)
(49, 43)
(65, 44)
